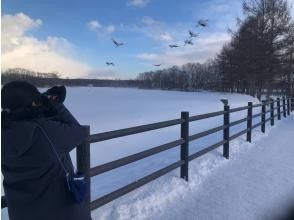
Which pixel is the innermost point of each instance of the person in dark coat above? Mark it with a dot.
(34, 181)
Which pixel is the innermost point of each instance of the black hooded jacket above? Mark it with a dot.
(34, 181)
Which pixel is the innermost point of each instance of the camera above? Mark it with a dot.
(56, 94)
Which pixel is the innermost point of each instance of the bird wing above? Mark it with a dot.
(115, 42)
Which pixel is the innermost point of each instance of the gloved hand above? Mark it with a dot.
(56, 94)
(48, 106)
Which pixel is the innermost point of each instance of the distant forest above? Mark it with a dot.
(50, 79)
(259, 58)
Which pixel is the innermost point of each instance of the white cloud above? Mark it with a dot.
(38, 56)
(13, 28)
(21, 49)
(148, 20)
(158, 35)
(110, 28)
(165, 37)
(94, 25)
(138, 3)
(97, 27)
(154, 29)
(204, 48)
(148, 56)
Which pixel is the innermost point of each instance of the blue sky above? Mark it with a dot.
(74, 37)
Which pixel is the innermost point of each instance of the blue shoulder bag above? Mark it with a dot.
(75, 182)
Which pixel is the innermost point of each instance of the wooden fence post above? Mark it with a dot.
(279, 108)
(263, 116)
(249, 121)
(272, 113)
(226, 146)
(284, 107)
(185, 146)
(288, 106)
(83, 165)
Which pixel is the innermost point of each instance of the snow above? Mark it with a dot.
(256, 183)
(217, 189)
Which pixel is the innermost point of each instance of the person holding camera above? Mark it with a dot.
(38, 132)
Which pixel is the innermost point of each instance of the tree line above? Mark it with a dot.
(50, 79)
(191, 76)
(259, 58)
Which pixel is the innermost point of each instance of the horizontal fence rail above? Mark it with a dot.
(135, 157)
(206, 150)
(238, 122)
(205, 116)
(205, 133)
(275, 109)
(132, 186)
(133, 130)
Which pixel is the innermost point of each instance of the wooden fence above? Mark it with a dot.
(276, 109)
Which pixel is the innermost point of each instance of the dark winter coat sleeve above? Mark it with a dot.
(64, 130)
(64, 115)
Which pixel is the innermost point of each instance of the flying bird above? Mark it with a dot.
(158, 65)
(188, 41)
(173, 45)
(192, 34)
(203, 23)
(117, 44)
(109, 63)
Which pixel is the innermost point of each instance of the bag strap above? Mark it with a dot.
(53, 148)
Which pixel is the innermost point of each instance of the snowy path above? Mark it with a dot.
(253, 186)
(256, 183)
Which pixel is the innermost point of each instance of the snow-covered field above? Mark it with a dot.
(106, 109)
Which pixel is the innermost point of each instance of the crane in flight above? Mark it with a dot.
(192, 34)
(188, 41)
(109, 63)
(203, 23)
(173, 45)
(117, 44)
(157, 65)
